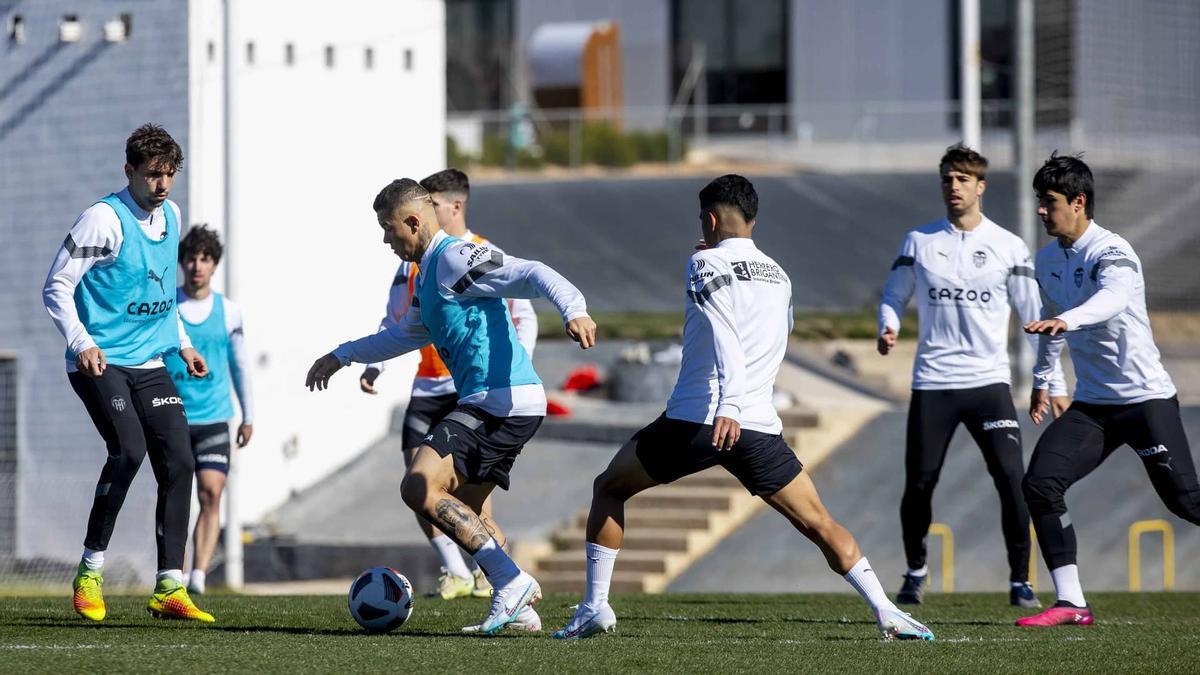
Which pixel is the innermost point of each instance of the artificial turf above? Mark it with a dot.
(1150, 632)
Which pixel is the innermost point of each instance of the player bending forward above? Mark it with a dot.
(735, 332)
(1094, 299)
(433, 395)
(458, 306)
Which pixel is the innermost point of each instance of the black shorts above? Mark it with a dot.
(210, 446)
(670, 449)
(484, 446)
(423, 414)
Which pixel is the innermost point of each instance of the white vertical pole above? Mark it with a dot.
(1023, 150)
(969, 88)
(233, 525)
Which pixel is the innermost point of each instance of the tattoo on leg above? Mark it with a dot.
(464, 527)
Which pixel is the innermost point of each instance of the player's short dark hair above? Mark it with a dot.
(447, 180)
(150, 142)
(201, 240)
(959, 157)
(731, 190)
(1069, 176)
(397, 192)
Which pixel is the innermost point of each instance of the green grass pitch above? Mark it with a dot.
(1151, 632)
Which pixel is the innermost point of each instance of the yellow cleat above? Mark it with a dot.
(483, 589)
(450, 587)
(171, 601)
(89, 600)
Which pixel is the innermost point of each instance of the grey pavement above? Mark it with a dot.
(625, 241)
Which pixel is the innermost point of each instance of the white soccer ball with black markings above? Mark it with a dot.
(381, 599)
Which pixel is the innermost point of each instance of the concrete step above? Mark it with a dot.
(642, 562)
(573, 582)
(683, 497)
(638, 540)
(659, 519)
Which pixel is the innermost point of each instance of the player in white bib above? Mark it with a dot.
(736, 324)
(965, 271)
(1095, 302)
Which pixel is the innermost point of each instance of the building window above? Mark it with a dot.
(328, 56)
(16, 29)
(289, 54)
(368, 58)
(408, 59)
(478, 65)
(745, 46)
(250, 53)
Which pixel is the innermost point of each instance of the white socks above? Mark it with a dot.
(863, 579)
(93, 560)
(1066, 584)
(496, 565)
(174, 575)
(600, 562)
(452, 559)
(196, 583)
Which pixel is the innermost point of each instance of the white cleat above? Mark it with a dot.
(507, 603)
(898, 625)
(588, 622)
(527, 621)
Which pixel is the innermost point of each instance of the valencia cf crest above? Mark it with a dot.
(980, 258)
(1079, 278)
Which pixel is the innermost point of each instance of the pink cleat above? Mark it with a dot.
(1061, 614)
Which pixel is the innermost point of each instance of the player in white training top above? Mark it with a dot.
(736, 323)
(965, 271)
(1095, 302)
(433, 393)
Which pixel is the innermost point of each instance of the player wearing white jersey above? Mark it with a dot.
(433, 395)
(458, 307)
(965, 272)
(736, 323)
(1095, 301)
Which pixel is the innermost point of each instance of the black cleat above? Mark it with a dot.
(913, 590)
(1023, 596)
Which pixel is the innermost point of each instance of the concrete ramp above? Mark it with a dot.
(861, 484)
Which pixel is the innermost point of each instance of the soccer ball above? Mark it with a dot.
(380, 599)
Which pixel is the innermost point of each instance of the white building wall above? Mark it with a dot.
(312, 145)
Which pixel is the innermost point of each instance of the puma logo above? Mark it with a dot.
(157, 277)
(1056, 275)
(448, 434)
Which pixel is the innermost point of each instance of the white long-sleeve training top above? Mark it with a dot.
(1097, 288)
(197, 311)
(506, 277)
(964, 283)
(95, 239)
(400, 298)
(736, 322)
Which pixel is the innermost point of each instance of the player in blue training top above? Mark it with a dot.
(458, 306)
(111, 293)
(214, 323)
